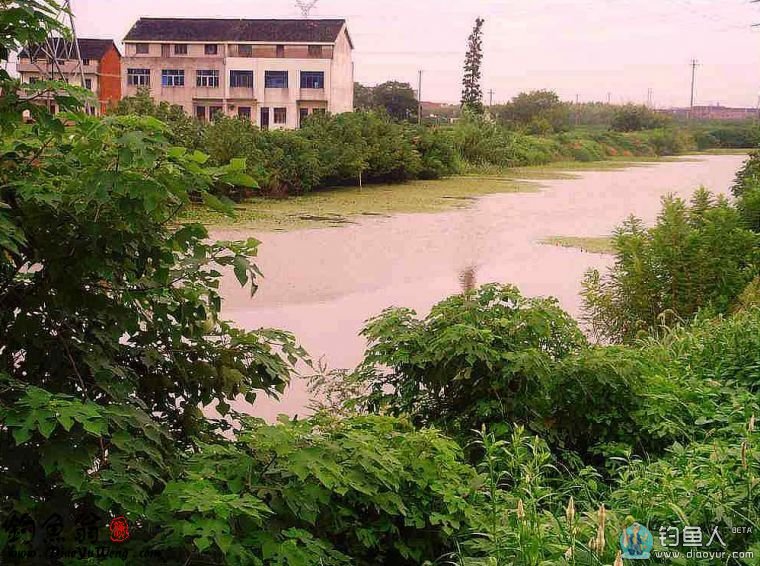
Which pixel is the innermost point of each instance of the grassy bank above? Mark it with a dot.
(590, 244)
(335, 207)
(339, 206)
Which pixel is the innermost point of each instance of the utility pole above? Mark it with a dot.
(577, 111)
(490, 97)
(419, 98)
(609, 98)
(694, 64)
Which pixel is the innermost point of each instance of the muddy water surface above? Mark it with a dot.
(322, 284)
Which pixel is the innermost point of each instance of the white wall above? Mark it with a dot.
(342, 85)
(336, 97)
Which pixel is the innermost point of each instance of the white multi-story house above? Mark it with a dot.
(273, 72)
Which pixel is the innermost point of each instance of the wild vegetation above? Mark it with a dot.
(370, 147)
(488, 432)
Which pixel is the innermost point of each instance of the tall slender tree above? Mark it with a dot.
(472, 94)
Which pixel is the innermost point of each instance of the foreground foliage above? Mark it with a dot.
(545, 447)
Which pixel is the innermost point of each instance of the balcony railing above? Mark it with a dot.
(312, 94)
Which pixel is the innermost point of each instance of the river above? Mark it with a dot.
(322, 284)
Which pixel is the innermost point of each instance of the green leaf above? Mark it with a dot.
(241, 266)
(202, 543)
(21, 435)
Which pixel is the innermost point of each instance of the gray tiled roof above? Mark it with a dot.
(88, 48)
(209, 29)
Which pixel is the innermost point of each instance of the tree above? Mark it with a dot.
(363, 97)
(398, 99)
(472, 95)
(633, 118)
(535, 109)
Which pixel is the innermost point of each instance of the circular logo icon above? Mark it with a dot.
(636, 542)
(119, 529)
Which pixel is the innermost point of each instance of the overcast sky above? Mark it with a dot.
(587, 48)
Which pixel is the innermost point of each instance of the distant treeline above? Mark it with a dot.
(372, 147)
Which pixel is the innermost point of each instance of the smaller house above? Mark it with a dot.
(101, 66)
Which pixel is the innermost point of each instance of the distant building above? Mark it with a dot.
(273, 72)
(101, 64)
(713, 113)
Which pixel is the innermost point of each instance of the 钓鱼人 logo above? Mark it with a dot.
(636, 542)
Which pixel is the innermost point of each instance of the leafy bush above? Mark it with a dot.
(538, 112)
(632, 118)
(362, 490)
(480, 358)
(183, 130)
(697, 256)
(670, 141)
(437, 152)
(731, 136)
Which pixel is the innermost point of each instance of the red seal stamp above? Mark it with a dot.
(119, 529)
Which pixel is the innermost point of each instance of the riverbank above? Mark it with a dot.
(345, 205)
(323, 284)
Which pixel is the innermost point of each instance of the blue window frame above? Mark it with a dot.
(275, 79)
(241, 79)
(312, 79)
(172, 77)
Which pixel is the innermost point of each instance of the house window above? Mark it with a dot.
(242, 79)
(280, 51)
(264, 123)
(303, 113)
(33, 80)
(315, 51)
(312, 79)
(138, 77)
(215, 112)
(172, 77)
(244, 112)
(180, 48)
(319, 111)
(166, 50)
(141, 49)
(211, 49)
(280, 115)
(88, 84)
(275, 79)
(245, 50)
(207, 78)
(85, 61)
(200, 113)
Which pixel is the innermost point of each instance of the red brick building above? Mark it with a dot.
(713, 113)
(101, 63)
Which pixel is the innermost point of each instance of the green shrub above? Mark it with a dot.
(360, 490)
(669, 141)
(698, 256)
(183, 130)
(748, 176)
(632, 118)
(478, 358)
(437, 152)
(732, 136)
